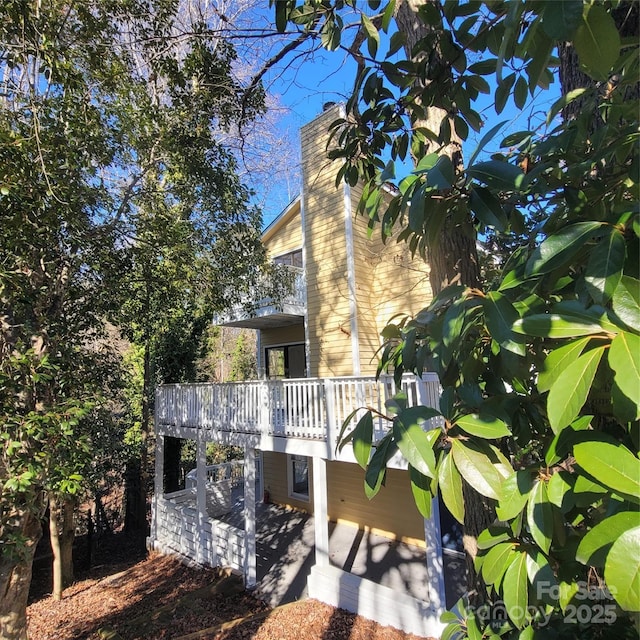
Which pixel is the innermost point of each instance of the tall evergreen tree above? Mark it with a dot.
(117, 201)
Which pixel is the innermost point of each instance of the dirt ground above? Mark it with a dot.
(124, 597)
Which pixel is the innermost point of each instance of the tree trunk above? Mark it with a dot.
(54, 539)
(627, 18)
(61, 535)
(454, 257)
(15, 578)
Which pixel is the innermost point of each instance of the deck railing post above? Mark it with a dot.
(201, 503)
(249, 517)
(265, 408)
(330, 405)
(158, 484)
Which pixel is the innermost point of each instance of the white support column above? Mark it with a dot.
(428, 392)
(158, 484)
(201, 499)
(320, 511)
(435, 566)
(250, 577)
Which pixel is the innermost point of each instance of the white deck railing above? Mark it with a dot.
(271, 296)
(216, 472)
(300, 408)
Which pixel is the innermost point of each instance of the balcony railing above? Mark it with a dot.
(283, 294)
(308, 408)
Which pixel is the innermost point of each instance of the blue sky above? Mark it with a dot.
(305, 88)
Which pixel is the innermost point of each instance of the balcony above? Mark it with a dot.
(302, 416)
(278, 300)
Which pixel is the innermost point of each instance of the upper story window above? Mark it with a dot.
(293, 258)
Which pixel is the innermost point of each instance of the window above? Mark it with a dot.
(293, 258)
(298, 477)
(287, 361)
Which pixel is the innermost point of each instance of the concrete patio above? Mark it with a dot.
(285, 555)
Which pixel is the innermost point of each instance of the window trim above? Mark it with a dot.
(291, 459)
(284, 346)
(279, 257)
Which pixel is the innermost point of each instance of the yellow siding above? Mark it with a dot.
(391, 513)
(287, 236)
(282, 335)
(387, 280)
(274, 470)
(327, 288)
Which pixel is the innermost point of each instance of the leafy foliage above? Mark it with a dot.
(539, 371)
(117, 202)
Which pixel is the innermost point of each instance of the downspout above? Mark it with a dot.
(351, 272)
(351, 282)
(307, 344)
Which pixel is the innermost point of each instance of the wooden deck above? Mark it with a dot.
(302, 417)
(263, 413)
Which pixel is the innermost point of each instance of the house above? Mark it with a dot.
(317, 359)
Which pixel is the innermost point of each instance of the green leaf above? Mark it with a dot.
(487, 208)
(500, 316)
(441, 176)
(342, 438)
(388, 15)
(362, 437)
(481, 465)
(483, 426)
(554, 325)
(373, 37)
(565, 100)
(515, 587)
(567, 591)
(497, 174)
(604, 269)
(503, 91)
(484, 68)
(612, 465)
(497, 561)
(540, 516)
(330, 34)
(450, 483)
(559, 489)
(421, 489)
(557, 361)
(520, 93)
(559, 248)
(597, 42)
(624, 359)
(377, 469)
(626, 302)
(622, 570)
(595, 545)
(561, 18)
(414, 444)
(426, 163)
(513, 495)
(569, 392)
(541, 577)
(282, 11)
(493, 535)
